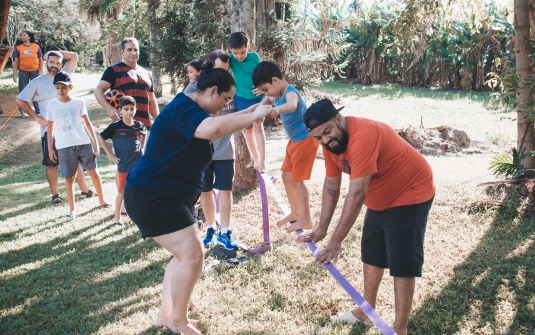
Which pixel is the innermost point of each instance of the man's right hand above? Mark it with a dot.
(314, 236)
(41, 121)
(112, 112)
(15, 77)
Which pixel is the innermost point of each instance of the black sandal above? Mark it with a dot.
(88, 194)
(56, 199)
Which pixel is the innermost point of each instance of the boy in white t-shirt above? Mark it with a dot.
(67, 118)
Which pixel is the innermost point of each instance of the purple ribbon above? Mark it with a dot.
(265, 219)
(353, 293)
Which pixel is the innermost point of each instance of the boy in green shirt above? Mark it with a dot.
(242, 64)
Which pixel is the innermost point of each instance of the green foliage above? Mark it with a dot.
(309, 46)
(132, 23)
(425, 44)
(508, 165)
(190, 30)
(59, 26)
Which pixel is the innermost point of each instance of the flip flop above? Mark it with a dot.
(106, 206)
(124, 214)
(70, 216)
(56, 199)
(119, 223)
(348, 317)
(88, 194)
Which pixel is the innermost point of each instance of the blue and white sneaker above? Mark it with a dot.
(209, 240)
(226, 240)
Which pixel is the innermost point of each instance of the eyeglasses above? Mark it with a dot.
(228, 100)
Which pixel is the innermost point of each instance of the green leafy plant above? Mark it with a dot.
(508, 165)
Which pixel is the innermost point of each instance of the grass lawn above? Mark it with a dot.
(88, 276)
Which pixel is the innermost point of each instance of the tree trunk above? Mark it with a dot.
(154, 33)
(270, 6)
(244, 178)
(112, 51)
(260, 18)
(526, 131)
(243, 19)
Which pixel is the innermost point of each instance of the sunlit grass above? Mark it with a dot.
(88, 276)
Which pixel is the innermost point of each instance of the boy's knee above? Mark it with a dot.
(286, 176)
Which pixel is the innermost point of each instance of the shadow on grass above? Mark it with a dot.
(73, 279)
(390, 92)
(504, 261)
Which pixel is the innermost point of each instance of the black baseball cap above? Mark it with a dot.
(62, 77)
(319, 113)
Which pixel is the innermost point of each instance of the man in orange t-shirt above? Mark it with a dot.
(396, 184)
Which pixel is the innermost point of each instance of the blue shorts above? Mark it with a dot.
(242, 103)
(223, 171)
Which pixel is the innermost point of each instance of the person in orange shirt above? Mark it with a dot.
(396, 184)
(28, 62)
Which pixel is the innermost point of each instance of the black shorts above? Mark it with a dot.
(159, 212)
(394, 239)
(44, 147)
(223, 171)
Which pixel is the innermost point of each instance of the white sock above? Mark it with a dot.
(213, 226)
(224, 230)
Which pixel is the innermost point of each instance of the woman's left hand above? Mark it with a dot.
(252, 108)
(262, 111)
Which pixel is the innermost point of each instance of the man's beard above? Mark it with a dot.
(342, 143)
(52, 70)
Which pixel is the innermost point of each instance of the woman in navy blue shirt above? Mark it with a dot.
(166, 182)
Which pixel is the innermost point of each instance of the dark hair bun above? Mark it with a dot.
(207, 67)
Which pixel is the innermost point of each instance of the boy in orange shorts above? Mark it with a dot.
(301, 149)
(128, 137)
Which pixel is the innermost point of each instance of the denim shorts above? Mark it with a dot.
(223, 171)
(69, 158)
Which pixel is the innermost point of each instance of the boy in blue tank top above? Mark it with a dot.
(301, 148)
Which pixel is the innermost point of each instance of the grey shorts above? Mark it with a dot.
(70, 157)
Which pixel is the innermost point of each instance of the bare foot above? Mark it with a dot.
(290, 218)
(186, 329)
(105, 204)
(160, 322)
(359, 314)
(261, 167)
(299, 225)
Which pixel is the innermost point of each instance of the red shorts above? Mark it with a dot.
(121, 180)
(300, 158)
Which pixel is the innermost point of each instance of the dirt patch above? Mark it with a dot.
(8, 93)
(443, 140)
(317, 96)
(20, 142)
